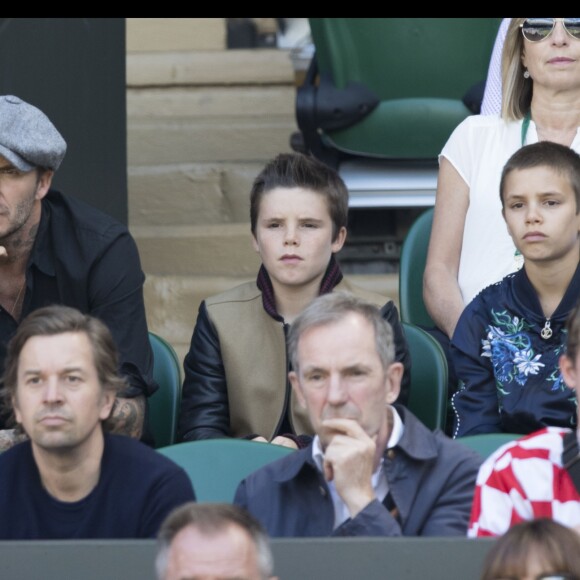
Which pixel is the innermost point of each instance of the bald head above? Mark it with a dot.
(226, 554)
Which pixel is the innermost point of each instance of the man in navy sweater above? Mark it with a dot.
(70, 479)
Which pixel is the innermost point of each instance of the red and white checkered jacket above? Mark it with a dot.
(523, 480)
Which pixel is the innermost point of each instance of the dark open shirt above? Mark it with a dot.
(84, 258)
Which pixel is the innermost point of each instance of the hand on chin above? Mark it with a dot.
(336, 425)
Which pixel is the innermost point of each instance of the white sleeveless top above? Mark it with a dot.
(478, 149)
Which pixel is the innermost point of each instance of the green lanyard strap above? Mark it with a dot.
(525, 126)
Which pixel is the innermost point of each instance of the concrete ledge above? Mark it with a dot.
(185, 140)
(152, 34)
(180, 195)
(193, 194)
(403, 558)
(219, 67)
(216, 102)
(213, 250)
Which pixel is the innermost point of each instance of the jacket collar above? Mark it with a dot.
(331, 278)
(417, 441)
(42, 255)
(525, 294)
(294, 463)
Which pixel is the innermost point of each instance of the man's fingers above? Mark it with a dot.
(347, 427)
(328, 471)
(284, 442)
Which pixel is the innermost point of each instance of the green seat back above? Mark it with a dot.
(411, 268)
(216, 466)
(419, 68)
(428, 396)
(163, 405)
(486, 443)
(415, 128)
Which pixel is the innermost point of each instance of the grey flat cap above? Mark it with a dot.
(27, 137)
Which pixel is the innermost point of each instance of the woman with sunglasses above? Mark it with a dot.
(470, 247)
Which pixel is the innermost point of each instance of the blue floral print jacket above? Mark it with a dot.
(506, 355)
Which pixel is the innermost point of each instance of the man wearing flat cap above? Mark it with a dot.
(55, 249)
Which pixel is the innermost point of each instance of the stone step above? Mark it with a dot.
(156, 142)
(210, 102)
(191, 194)
(176, 136)
(172, 302)
(210, 68)
(193, 153)
(204, 250)
(207, 106)
(164, 34)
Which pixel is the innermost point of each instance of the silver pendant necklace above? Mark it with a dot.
(546, 331)
(16, 302)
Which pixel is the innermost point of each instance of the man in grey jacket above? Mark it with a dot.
(373, 469)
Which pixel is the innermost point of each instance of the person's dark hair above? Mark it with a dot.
(58, 319)
(573, 333)
(517, 90)
(40, 172)
(290, 170)
(556, 546)
(332, 308)
(559, 158)
(211, 519)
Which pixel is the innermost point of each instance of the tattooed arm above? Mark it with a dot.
(127, 417)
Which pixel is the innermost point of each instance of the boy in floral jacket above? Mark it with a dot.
(508, 340)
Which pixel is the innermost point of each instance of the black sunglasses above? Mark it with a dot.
(537, 29)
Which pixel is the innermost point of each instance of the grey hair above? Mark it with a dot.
(212, 518)
(332, 308)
